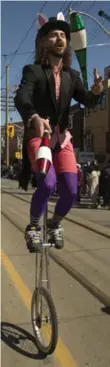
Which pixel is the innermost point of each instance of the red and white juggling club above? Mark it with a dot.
(44, 155)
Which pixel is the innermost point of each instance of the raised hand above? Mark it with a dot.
(97, 87)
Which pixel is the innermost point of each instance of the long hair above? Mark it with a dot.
(41, 53)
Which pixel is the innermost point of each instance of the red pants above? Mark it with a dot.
(63, 160)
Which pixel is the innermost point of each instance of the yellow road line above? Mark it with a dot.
(61, 353)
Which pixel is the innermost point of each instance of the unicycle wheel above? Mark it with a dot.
(44, 321)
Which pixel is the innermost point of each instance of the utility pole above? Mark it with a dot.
(6, 121)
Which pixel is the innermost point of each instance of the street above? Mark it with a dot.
(80, 282)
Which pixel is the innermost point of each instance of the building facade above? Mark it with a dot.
(76, 126)
(107, 72)
(97, 125)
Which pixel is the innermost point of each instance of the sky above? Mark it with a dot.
(18, 32)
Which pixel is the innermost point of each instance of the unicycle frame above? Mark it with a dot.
(43, 292)
(42, 273)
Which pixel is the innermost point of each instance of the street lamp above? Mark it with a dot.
(79, 39)
(102, 14)
(90, 16)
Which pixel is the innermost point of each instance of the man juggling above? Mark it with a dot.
(43, 100)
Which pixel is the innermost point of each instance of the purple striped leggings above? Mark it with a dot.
(64, 172)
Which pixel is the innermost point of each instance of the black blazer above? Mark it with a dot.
(36, 94)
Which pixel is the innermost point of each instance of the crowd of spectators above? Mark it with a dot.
(94, 183)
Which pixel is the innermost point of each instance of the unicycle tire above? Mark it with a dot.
(36, 322)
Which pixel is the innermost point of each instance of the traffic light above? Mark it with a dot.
(17, 155)
(10, 131)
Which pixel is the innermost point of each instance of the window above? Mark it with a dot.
(86, 111)
(97, 107)
(101, 105)
(70, 122)
(103, 102)
(90, 111)
(89, 142)
(108, 142)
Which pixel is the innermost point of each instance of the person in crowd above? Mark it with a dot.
(94, 183)
(86, 177)
(80, 182)
(105, 176)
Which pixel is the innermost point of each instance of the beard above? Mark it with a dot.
(54, 51)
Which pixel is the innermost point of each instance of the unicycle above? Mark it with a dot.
(43, 313)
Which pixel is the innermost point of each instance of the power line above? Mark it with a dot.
(18, 53)
(24, 39)
(29, 52)
(96, 33)
(95, 30)
(19, 73)
(30, 58)
(32, 52)
(65, 10)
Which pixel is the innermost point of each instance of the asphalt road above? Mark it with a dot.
(100, 216)
(84, 321)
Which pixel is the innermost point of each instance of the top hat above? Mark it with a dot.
(52, 24)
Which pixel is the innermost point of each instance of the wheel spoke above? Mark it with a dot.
(44, 321)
